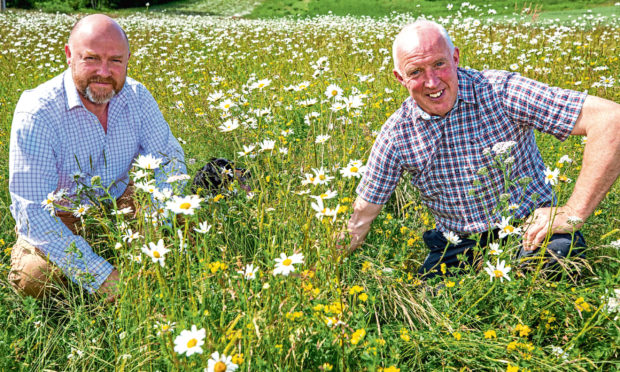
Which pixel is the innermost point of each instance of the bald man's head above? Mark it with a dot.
(409, 37)
(97, 23)
(98, 54)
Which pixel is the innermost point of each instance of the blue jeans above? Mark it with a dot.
(560, 245)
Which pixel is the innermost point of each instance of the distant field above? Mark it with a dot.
(378, 8)
(299, 103)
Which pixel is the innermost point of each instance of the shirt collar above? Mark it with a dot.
(467, 91)
(73, 97)
(465, 94)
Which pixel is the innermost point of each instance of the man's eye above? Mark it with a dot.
(440, 64)
(414, 73)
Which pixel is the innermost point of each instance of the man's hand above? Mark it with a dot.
(543, 220)
(342, 242)
(109, 288)
(359, 225)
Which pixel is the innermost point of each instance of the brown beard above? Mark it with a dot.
(83, 87)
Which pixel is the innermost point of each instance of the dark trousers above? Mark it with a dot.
(560, 245)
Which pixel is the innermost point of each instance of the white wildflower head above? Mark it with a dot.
(190, 342)
(499, 271)
(148, 162)
(285, 264)
(157, 252)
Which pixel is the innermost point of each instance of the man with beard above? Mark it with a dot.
(82, 129)
(449, 134)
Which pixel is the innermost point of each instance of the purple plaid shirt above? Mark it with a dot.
(54, 137)
(443, 155)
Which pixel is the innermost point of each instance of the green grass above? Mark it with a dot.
(279, 323)
(380, 8)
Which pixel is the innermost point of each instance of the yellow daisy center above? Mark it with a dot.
(287, 262)
(334, 92)
(156, 254)
(191, 343)
(219, 367)
(323, 196)
(509, 229)
(354, 169)
(322, 177)
(498, 273)
(185, 205)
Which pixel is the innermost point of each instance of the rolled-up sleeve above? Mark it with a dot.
(548, 109)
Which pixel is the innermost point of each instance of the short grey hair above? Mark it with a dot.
(411, 30)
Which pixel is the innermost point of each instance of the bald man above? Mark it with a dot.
(447, 135)
(89, 123)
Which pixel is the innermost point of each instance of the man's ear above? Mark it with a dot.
(68, 54)
(455, 56)
(398, 77)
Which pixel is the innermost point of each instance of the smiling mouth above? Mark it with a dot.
(436, 95)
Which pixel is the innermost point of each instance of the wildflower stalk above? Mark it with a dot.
(585, 327)
(477, 302)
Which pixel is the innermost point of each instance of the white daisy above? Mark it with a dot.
(190, 341)
(203, 227)
(184, 204)
(130, 236)
(81, 210)
(226, 105)
(494, 249)
(333, 91)
(321, 177)
(500, 271)
(229, 125)
(355, 169)
(122, 211)
(322, 138)
(147, 162)
(247, 150)
(48, 203)
(551, 176)
(452, 237)
(220, 363)
(284, 264)
(267, 145)
(156, 251)
(505, 228)
(249, 272)
(163, 327)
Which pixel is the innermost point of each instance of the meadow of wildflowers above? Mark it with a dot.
(253, 280)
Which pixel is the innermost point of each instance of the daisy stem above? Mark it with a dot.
(188, 265)
(476, 303)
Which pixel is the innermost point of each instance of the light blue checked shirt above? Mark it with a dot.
(54, 137)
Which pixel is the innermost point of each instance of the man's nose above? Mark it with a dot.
(104, 70)
(431, 80)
